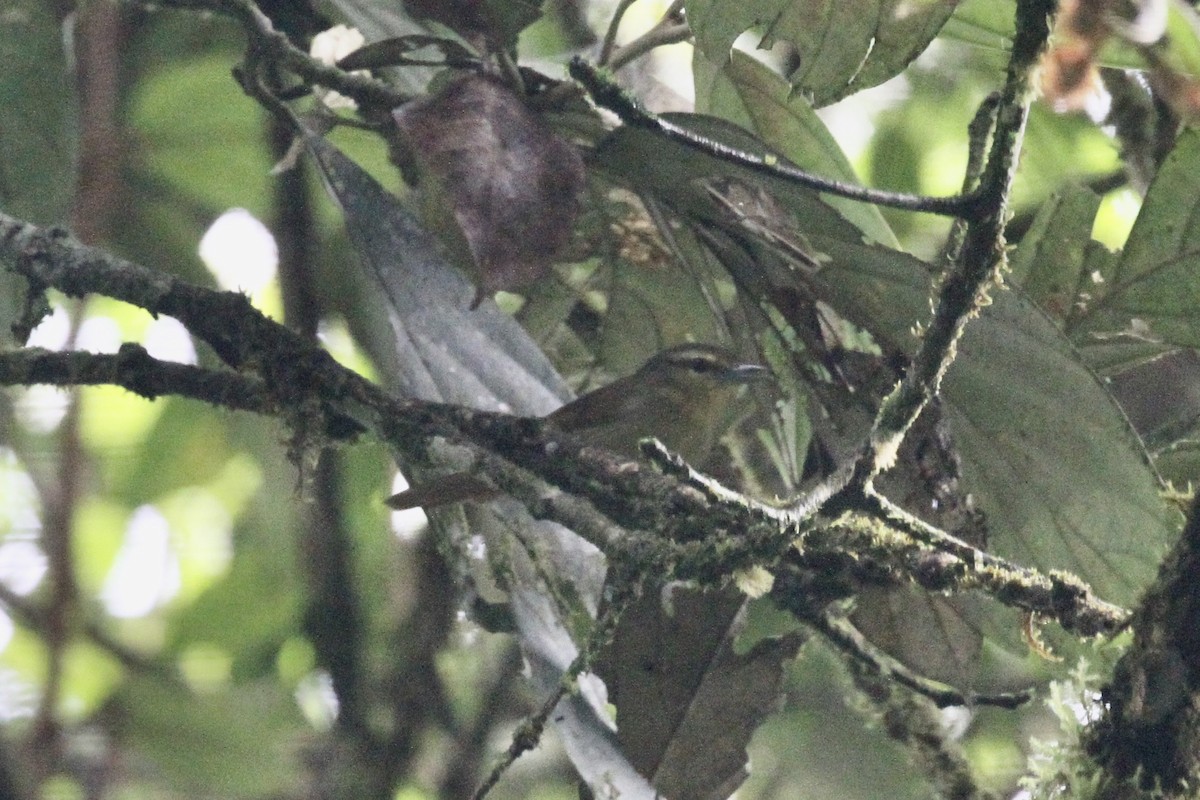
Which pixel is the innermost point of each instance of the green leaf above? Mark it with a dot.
(1063, 480)
(1161, 397)
(1182, 40)
(508, 18)
(203, 135)
(37, 128)
(1154, 290)
(843, 47)
(681, 689)
(1060, 148)
(745, 92)
(1181, 463)
(637, 322)
(1108, 357)
(1061, 269)
(238, 743)
(1049, 264)
(983, 23)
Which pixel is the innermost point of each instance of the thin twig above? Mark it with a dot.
(865, 540)
(529, 732)
(610, 96)
(364, 90)
(525, 738)
(850, 640)
(911, 721)
(610, 35)
(979, 144)
(663, 33)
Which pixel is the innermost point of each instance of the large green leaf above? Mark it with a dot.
(637, 323)
(1129, 312)
(1058, 149)
(1132, 313)
(983, 23)
(1063, 480)
(687, 702)
(1154, 289)
(843, 47)
(1063, 271)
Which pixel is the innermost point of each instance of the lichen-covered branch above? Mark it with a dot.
(964, 290)
(1150, 731)
(914, 723)
(636, 516)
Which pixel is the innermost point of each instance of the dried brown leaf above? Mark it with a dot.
(511, 184)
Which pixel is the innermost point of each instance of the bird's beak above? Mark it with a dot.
(747, 373)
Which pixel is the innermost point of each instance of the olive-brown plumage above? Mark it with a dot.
(682, 396)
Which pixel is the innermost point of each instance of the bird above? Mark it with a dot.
(683, 396)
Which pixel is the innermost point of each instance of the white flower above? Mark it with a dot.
(328, 47)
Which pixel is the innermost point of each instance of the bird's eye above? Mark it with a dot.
(703, 365)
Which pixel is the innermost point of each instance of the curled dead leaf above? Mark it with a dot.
(509, 183)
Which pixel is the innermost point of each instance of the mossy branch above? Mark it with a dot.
(663, 525)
